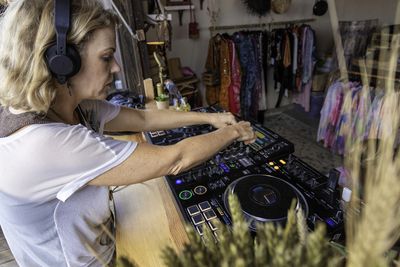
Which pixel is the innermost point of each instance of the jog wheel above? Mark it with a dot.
(265, 198)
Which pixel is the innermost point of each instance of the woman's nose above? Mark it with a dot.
(115, 66)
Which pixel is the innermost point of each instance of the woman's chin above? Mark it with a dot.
(103, 93)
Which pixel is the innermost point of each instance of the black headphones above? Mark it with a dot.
(62, 59)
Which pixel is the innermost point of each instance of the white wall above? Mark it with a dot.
(232, 12)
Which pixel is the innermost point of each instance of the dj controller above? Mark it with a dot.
(264, 175)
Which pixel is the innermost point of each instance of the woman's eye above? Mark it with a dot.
(107, 58)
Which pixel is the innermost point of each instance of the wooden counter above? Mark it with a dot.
(147, 219)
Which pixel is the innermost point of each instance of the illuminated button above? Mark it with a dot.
(259, 135)
(213, 224)
(282, 161)
(204, 206)
(178, 181)
(271, 163)
(224, 167)
(185, 195)
(210, 214)
(331, 222)
(197, 219)
(200, 190)
(260, 142)
(193, 210)
(276, 167)
(220, 211)
(200, 229)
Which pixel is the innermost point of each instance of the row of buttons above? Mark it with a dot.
(156, 133)
(202, 215)
(187, 194)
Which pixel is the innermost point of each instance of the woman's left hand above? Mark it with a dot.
(219, 120)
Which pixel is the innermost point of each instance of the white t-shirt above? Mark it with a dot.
(49, 216)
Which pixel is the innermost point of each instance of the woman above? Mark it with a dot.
(55, 164)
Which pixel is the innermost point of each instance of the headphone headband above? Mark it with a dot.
(62, 24)
(62, 58)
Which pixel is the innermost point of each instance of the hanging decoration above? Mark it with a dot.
(280, 6)
(320, 7)
(213, 11)
(194, 32)
(258, 7)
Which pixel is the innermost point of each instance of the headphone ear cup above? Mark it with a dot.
(63, 66)
(73, 54)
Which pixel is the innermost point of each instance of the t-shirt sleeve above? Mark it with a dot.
(67, 158)
(99, 112)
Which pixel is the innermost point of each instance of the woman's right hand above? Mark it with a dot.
(246, 132)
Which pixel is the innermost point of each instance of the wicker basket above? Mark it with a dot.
(319, 82)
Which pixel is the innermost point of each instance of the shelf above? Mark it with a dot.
(159, 17)
(180, 9)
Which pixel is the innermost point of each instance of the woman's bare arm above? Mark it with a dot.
(149, 120)
(150, 161)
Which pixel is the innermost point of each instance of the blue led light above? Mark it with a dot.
(330, 222)
(179, 181)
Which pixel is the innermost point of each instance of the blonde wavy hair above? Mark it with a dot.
(26, 31)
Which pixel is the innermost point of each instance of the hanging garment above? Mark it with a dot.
(355, 37)
(295, 51)
(373, 124)
(266, 52)
(212, 71)
(356, 112)
(277, 53)
(225, 73)
(263, 46)
(344, 125)
(299, 72)
(234, 88)
(256, 94)
(248, 63)
(308, 59)
(308, 51)
(330, 113)
(284, 69)
(360, 120)
(287, 54)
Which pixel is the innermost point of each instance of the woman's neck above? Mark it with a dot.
(63, 108)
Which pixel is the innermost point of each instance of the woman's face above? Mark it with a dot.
(98, 66)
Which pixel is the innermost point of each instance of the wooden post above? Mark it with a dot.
(338, 40)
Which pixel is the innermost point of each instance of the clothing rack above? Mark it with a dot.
(258, 25)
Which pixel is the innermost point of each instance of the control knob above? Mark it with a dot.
(217, 159)
(226, 156)
(339, 216)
